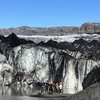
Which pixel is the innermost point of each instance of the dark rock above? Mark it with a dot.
(92, 77)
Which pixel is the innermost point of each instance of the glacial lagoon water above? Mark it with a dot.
(21, 93)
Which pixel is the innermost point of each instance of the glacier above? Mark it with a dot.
(69, 59)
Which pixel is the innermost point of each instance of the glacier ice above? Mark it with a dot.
(70, 60)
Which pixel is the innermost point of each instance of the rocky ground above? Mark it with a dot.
(91, 93)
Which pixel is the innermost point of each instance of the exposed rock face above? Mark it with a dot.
(53, 31)
(69, 62)
(90, 28)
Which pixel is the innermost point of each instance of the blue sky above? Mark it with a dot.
(48, 13)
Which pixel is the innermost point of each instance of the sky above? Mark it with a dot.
(48, 13)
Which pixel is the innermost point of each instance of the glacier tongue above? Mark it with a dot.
(49, 61)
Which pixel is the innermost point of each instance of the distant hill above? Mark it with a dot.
(59, 31)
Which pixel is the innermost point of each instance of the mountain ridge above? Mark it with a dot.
(53, 31)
